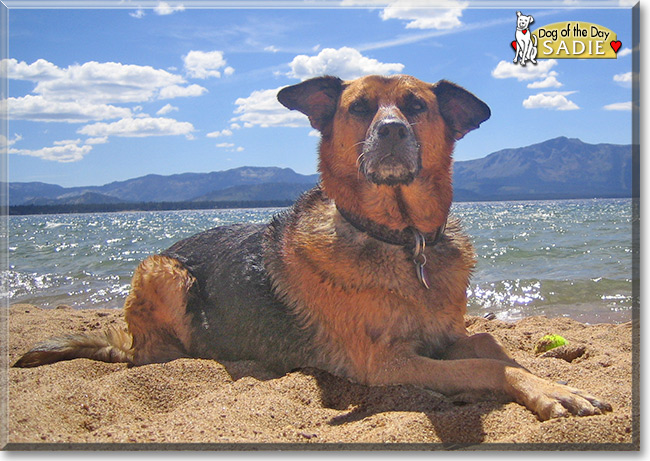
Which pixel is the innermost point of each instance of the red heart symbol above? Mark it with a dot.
(514, 45)
(524, 31)
(615, 45)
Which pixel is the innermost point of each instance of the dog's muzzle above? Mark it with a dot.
(391, 153)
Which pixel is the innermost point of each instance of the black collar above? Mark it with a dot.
(408, 238)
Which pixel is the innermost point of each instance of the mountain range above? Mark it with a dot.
(557, 168)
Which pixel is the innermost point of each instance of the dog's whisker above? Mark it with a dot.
(360, 159)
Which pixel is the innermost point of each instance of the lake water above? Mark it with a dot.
(556, 258)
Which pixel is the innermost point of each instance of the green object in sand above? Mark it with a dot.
(548, 342)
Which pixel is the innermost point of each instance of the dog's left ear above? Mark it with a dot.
(317, 98)
(462, 111)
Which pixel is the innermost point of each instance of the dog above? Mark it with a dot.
(364, 277)
(526, 42)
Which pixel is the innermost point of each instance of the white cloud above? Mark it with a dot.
(202, 64)
(346, 63)
(167, 108)
(624, 79)
(164, 8)
(67, 141)
(262, 108)
(139, 128)
(229, 146)
(548, 82)
(38, 109)
(175, 91)
(138, 14)
(217, 134)
(95, 83)
(541, 73)
(102, 140)
(108, 82)
(423, 14)
(62, 151)
(624, 52)
(622, 106)
(554, 100)
(508, 69)
(271, 48)
(37, 71)
(5, 142)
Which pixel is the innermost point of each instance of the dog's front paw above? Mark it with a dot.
(549, 400)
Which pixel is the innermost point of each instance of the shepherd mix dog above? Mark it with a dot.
(364, 277)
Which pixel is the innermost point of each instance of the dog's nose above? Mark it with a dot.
(392, 130)
(391, 154)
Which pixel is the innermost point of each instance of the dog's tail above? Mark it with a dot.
(112, 345)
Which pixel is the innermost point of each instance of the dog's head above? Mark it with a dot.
(523, 21)
(383, 136)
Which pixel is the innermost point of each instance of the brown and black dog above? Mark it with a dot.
(365, 276)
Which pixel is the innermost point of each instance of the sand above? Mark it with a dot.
(201, 404)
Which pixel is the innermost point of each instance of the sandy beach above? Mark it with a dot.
(201, 404)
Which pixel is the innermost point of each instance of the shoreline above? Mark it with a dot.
(195, 401)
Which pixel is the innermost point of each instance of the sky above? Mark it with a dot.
(98, 95)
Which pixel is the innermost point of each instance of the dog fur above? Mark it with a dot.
(332, 283)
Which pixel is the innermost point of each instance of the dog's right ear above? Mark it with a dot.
(317, 98)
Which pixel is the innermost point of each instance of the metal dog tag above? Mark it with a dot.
(419, 259)
(421, 273)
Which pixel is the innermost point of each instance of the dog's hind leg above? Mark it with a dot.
(156, 310)
(158, 325)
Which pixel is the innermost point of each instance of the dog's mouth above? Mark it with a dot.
(391, 154)
(390, 173)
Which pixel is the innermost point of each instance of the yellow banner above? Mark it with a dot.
(578, 40)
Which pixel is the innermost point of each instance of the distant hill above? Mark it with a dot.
(74, 199)
(279, 191)
(557, 168)
(158, 188)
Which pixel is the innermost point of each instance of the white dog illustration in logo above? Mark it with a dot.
(526, 49)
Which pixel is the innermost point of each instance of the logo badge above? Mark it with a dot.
(562, 40)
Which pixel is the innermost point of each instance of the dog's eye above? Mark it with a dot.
(415, 107)
(359, 108)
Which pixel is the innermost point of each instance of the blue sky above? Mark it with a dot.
(102, 95)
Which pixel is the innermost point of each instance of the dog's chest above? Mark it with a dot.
(361, 295)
